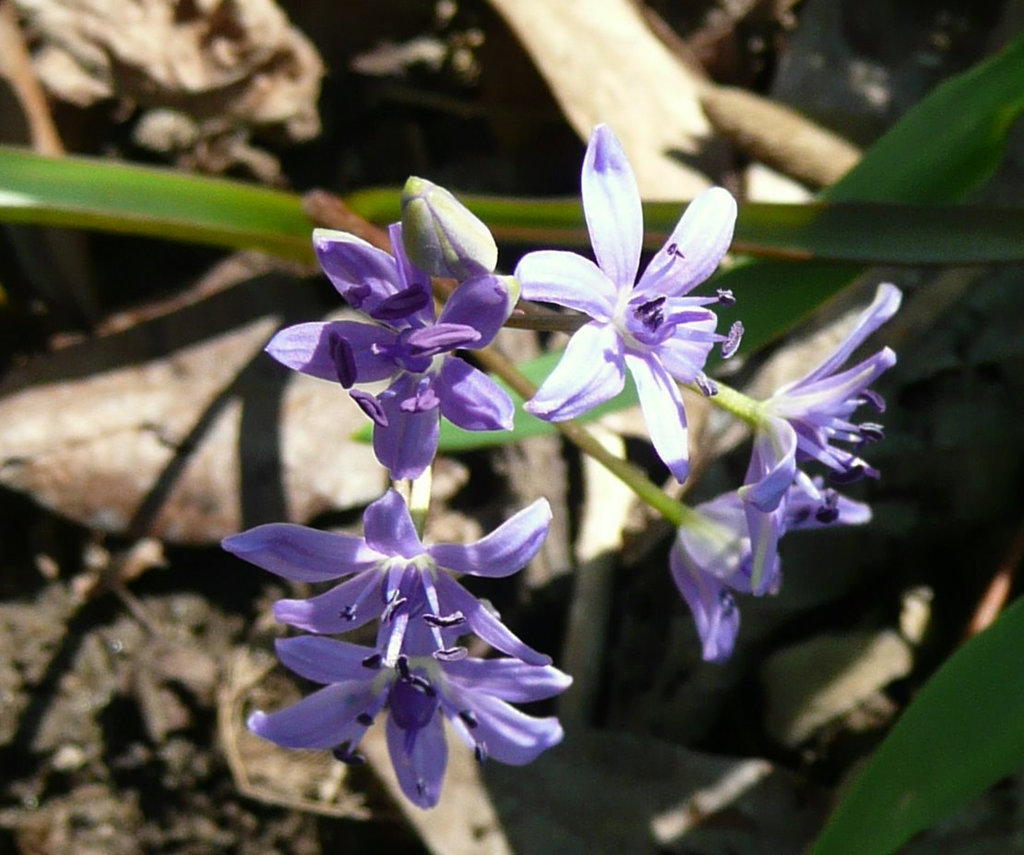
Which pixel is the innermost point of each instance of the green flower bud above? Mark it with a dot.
(441, 235)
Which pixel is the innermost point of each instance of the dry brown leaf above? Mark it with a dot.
(189, 444)
(224, 65)
(604, 64)
(605, 792)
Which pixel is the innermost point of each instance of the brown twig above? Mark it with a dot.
(16, 66)
(994, 599)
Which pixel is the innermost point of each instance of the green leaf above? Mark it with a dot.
(946, 146)
(962, 733)
(119, 197)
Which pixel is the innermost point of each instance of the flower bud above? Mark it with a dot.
(441, 235)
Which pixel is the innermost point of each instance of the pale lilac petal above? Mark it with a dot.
(567, 279)
(508, 679)
(472, 400)
(590, 372)
(772, 465)
(765, 530)
(884, 306)
(345, 607)
(388, 526)
(715, 613)
(695, 247)
(325, 719)
(662, 405)
(483, 302)
(685, 354)
(483, 623)
(300, 553)
(836, 394)
(307, 348)
(504, 551)
(324, 660)
(611, 203)
(419, 758)
(502, 732)
(407, 444)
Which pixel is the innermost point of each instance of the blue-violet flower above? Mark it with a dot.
(406, 346)
(417, 692)
(715, 555)
(650, 327)
(391, 575)
(805, 419)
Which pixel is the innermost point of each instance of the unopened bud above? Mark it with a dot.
(441, 235)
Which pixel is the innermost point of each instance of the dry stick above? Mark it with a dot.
(16, 66)
(998, 591)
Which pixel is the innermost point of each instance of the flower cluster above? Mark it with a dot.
(416, 672)
(419, 672)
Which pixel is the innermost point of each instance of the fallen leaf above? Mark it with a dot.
(602, 791)
(187, 441)
(604, 64)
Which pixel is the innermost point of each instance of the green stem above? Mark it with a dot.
(675, 512)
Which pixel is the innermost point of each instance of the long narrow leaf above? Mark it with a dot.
(95, 194)
(962, 733)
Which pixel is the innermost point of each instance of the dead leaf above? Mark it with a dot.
(605, 792)
(604, 64)
(225, 66)
(187, 442)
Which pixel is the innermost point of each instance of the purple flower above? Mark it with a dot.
(407, 346)
(651, 327)
(391, 575)
(805, 420)
(721, 553)
(417, 691)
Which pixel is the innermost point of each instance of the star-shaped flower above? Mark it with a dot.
(719, 553)
(650, 327)
(417, 692)
(406, 346)
(810, 418)
(391, 575)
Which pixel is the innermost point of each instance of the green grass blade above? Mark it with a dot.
(95, 194)
(962, 733)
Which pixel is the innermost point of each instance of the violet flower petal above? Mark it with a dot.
(484, 624)
(388, 527)
(419, 758)
(307, 348)
(407, 445)
(611, 203)
(324, 719)
(883, 307)
(772, 465)
(567, 279)
(300, 553)
(504, 551)
(323, 660)
(503, 732)
(471, 400)
(590, 372)
(329, 612)
(715, 613)
(364, 275)
(507, 679)
(483, 302)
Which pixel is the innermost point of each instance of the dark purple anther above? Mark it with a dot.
(401, 305)
(344, 360)
(370, 405)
